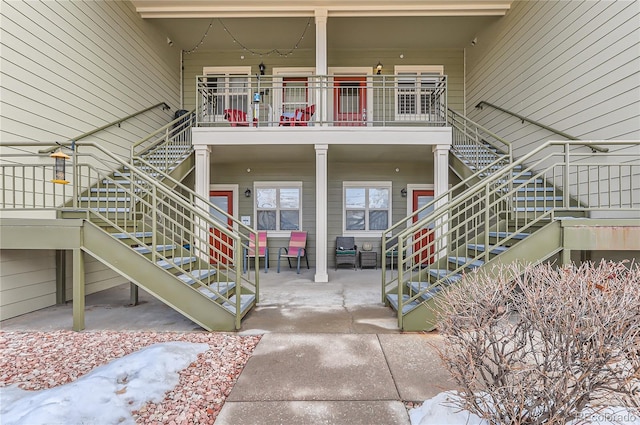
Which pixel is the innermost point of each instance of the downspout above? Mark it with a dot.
(182, 79)
(464, 81)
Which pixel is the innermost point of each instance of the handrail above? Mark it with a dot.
(164, 105)
(164, 128)
(479, 209)
(593, 147)
(463, 183)
(167, 206)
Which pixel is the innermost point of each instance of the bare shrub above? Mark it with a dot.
(538, 344)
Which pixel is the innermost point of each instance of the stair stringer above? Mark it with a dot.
(158, 282)
(537, 247)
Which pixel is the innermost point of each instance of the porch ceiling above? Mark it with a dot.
(306, 153)
(352, 24)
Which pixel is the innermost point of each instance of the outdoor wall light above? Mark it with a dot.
(378, 68)
(247, 193)
(403, 192)
(59, 169)
(261, 67)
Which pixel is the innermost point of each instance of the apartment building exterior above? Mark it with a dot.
(326, 117)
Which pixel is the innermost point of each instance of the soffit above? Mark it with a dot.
(261, 8)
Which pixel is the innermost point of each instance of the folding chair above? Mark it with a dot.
(297, 249)
(263, 251)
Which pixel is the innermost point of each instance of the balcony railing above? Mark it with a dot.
(272, 101)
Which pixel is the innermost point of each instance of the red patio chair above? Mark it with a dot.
(237, 118)
(300, 117)
(297, 249)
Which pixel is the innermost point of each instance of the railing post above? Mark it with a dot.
(238, 255)
(400, 278)
(383, 265)
(565, 183)
(154, 224)
(76, 175)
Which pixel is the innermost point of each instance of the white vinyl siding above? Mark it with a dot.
(70, 67)
(572, 65)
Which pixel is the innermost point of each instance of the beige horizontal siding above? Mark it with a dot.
(574, 66)
(26, 285)
(70, 67)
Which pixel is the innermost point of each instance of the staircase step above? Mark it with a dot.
(538, 198)
(112, 210)
(197, 274)
(159, 248)
(442, 274)
(504, 235)
(104, 199)
(245, 302)
(465, 261)
(480, 247)
(417, 287)
(406, 307)
(129, 235)
(111, 190)
(533, 209)
(536, 189)
(178, 261)
(222, 290)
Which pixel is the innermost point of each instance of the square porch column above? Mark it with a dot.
(202, 170)
(321, 214)
(321, 62)
(441, 186)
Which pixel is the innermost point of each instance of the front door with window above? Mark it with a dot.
(423, 247)
(350, 101)
(222, 246)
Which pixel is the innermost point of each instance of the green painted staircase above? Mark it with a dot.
(503, 211)
(144, 224)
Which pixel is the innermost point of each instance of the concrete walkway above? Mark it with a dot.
(331, 353)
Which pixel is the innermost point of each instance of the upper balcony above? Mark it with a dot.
(403, 100)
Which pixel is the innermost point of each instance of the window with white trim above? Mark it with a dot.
(367, 206)
(278, 206)
(226, 88)
(418, 91)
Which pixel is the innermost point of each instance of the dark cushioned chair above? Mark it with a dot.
(346, 251)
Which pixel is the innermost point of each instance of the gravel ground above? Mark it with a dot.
(40, 360)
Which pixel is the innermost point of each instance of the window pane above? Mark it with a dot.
(290, 198)
(378, 220)
(266, 220)
(266, 198)
(289, 220)
(378, 198)
(355, 220)
(355, 198)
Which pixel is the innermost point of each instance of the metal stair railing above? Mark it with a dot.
(175, 135)
(476, 145)
(151, 207)
(589, 183)
(480, 104)
(117, 122)
(467, 136)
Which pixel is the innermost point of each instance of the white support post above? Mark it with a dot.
(321, 214)
(203, 164)
(441, 185)
(322, 61)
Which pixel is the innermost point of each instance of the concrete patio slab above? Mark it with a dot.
(315, 367)
(415, 365)
(313, 412)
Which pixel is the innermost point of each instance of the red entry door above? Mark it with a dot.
(350, 101)
(423, 238)
(222, 251)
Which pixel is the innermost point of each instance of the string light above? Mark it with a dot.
(201, 40)
(270, 52)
